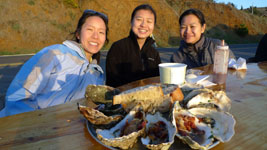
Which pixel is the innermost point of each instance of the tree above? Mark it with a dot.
(241, 30)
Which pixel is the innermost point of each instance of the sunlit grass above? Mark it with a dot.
(22, 51)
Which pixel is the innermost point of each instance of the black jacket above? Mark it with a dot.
(261, 52)
(198, 54)
(126, 62)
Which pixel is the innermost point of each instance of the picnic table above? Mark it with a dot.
(63, 127)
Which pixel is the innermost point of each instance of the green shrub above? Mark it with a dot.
(31, 2)
(71, 3)
(241, 30)
(72, 15)
(14, 25)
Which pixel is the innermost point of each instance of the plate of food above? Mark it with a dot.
(161, 117)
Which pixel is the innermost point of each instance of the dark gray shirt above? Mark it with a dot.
(198, 54)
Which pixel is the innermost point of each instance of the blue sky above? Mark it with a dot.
(245, 3)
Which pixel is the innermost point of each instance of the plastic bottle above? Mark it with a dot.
(220, 65)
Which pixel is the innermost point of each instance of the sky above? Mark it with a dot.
(245, 3)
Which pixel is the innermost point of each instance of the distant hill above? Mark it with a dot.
(29, 25)
(259, 11)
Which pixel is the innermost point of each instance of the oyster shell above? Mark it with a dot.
(217, 98)
(100, 94)
(188, 87)
(96, 117)
(196, 134)
(115, 136)
(109, 109)
(160, 132)
(194, 93)
(223, 125)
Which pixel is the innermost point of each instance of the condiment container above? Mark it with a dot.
(220, 65)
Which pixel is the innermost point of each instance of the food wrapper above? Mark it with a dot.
(199, 79)
(238, 65)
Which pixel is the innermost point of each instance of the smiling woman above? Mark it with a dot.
(60, 73)
(196, 49)
(133, 58)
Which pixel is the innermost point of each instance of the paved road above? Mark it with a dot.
(10, 65)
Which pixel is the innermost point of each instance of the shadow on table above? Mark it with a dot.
(7, 73)
(2, 101)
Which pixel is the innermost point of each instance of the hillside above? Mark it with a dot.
(29, 25)
(260, 11)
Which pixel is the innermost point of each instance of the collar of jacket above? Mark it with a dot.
(149, 41)
(77, 47)
(194, 47)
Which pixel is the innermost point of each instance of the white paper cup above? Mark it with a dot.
(172, 73)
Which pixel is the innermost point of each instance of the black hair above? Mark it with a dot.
(195, 12)
(86, 14)
(144, 7)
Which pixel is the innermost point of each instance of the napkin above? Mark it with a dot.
(199, 79)
(238, 65)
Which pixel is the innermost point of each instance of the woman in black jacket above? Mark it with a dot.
(134, 58)
(195, 49)
(261, 52)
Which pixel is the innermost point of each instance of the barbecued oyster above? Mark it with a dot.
(159, 132)
(196, 134)
(124, 135)
(216, 98)
(103, 116)
(222, 123)
(194, 93)
(100, 94)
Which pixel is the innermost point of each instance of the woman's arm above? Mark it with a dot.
(32, 77)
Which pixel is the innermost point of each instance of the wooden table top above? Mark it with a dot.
(63, 127)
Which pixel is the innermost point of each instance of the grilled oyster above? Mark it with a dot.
(159, 132)
(100, 94)
(124, 135)
(100, 119)
(222, 123)
(196, 134)
(194, 93)
(216, 98)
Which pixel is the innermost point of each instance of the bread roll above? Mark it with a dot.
(158, 97)
(148, 92)
(177, 95)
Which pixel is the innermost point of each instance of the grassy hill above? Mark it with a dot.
(29, 25)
